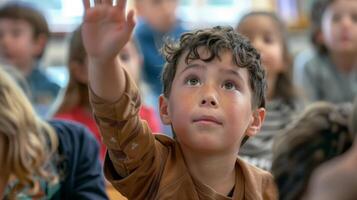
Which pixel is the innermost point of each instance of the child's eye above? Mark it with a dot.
(193, 81)
(229, 85)
(336, 18)
(268, 39)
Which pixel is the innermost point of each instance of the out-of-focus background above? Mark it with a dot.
(323, 68)
(65, 15)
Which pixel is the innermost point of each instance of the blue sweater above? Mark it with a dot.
(81, 166)
(150, 43)
(78, 167)
(43, 91)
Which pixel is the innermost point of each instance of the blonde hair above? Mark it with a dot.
(29, 141)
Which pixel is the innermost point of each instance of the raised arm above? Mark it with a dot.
(106, 29)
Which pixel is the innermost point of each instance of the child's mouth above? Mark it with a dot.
(345, 37)
(207, 120)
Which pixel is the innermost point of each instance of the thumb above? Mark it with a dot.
(130, 21)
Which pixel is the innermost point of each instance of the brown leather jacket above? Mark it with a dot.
(145, 166)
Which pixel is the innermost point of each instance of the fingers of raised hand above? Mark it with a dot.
(130, 18)
(109, 2)
(96, 2)
(106, 7)
(121, 4)
(86, 3)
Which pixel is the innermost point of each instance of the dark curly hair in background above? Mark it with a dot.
(323, 132)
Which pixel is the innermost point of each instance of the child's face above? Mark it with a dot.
(17, 44)
(210, 105)
(160, 14)
(130, 60)
(339, 26)
(264, 35)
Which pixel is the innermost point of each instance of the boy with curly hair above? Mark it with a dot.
(213, 97)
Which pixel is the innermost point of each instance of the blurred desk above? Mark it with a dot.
(113, 194)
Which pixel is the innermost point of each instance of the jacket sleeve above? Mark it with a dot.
(270, 190)
(134, 158)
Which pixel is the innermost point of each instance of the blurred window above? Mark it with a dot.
(64, 15)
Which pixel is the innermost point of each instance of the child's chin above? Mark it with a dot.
(208, 146)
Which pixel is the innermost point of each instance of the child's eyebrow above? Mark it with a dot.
(224, 71)
(232, 72)
(193, 65)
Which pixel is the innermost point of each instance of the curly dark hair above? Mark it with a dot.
(323, 132)
(216, 40)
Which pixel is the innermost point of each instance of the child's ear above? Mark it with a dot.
(256, 122)
(39, 44)
(164, 114)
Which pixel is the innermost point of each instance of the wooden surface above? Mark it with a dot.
(113, 194)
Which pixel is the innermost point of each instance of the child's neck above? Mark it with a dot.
(216, 171)
(27, 69)
(345, 62)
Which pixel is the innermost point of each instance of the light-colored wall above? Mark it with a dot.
(56, 52)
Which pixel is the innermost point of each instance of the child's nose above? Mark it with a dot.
(209, 98)
(168, 7)
(346, 21)
(258, 44)
(209, 102)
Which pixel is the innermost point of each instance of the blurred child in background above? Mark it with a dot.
(156, 22)
(18, 77)
(131, 59)
(75, 105)
(23, 36)
(44, 160)
(331, 75)
(267, 34)
(320, 134)
(337, 179)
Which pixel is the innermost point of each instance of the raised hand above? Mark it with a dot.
(106, 29)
